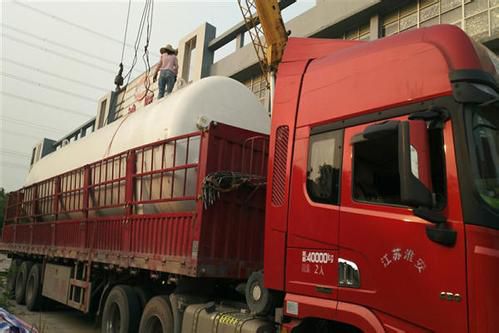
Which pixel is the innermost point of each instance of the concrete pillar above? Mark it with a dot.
(194, 57)
(239, 41)
(375, 28)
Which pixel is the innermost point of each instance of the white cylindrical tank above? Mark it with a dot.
(211, 99)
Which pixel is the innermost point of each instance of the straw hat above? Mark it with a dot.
(168, 47)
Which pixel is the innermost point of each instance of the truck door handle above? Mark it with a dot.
(348, 274)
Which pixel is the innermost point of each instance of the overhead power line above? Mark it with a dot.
(61, 45)
(51, 106)
(62, 55)
(23, 135)
(54, 74)
(13, 153)
(30, 124)
(13, 165)
(46, 86)
(39, 38)
(62, 20)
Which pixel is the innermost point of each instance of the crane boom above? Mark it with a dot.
(267, 31)
(274, 31)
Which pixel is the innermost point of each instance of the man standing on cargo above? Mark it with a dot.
(168, 68)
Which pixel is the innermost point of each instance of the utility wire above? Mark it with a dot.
(13, 165)
(126, 30)
(138, 38)
(30, 124)
(46, 86)
(13, 153)
(145, 57)
(102, 89)
(23, 135)
(52, 106)
(39, 38)
(61, 45)
(62, 55)
(60, 19)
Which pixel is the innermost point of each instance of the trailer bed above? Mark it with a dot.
(61, 217)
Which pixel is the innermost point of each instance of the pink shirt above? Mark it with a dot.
(168, 61)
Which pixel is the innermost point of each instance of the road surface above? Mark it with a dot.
(58, 319)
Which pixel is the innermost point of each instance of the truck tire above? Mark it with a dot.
(258, 298)
(21, 279)
(34, 288)
(157, 316)
(144, 295)
(10, 288)
(122, 311)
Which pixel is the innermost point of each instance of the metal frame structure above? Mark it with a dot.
(62, 217)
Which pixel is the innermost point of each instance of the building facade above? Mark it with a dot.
(345, 19)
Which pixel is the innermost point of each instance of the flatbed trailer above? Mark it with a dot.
(222, 240)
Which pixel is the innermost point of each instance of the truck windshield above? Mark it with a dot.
(485, 148)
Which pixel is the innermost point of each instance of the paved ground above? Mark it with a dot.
(58, 319)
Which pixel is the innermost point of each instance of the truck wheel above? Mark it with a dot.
(157, 316)
(144, 295)
(121, 312)
(10, 288)
(21, 279)
(34, 288)
(258, 298)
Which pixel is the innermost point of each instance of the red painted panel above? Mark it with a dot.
(398, 78)
(42, 233)
(288, 87)
(8, 233)
(402, 272)
(23, 233)
(231, 231)
(312, 272)
(105, 234)
(67, 234)
(483, 276)
(162, 236)
(310, 307)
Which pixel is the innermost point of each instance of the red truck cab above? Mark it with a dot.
(383, 187)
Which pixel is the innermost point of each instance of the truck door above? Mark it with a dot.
(312, 244)
(388, 263)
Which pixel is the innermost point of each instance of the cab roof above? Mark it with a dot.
(349, 78)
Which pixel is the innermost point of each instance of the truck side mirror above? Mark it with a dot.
(414, 164)
(413, 158)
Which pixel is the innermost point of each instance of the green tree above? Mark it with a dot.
(3, 200)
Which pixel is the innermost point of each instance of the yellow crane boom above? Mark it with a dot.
(267, 31)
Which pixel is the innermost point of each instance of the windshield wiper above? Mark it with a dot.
(490, 102)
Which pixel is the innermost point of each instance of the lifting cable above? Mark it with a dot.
(145, 57)
(148, 7)
(118, 80)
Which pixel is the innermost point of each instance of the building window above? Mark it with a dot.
(258, 85)
(102, 113)
(188, 64)
(323, 170)
(361, 33)
(479, 18)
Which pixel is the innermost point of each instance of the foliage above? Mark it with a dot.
(3, 201)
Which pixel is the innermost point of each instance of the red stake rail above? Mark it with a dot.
(143, 208)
